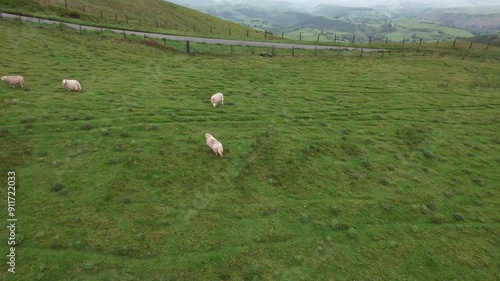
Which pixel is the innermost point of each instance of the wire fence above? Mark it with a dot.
(457, 48)
(77, 11)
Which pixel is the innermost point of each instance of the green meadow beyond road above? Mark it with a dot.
(188, 38)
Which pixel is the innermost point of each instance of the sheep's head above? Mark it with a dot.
(207, 135)
(4, 77)
(64, 82)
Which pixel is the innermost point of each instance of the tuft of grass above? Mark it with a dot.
(124, 133)
(85, 126)
(458, 216)
(57, 186)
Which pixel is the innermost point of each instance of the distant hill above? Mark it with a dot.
(301, 20)
(338, 11)
(456, 18)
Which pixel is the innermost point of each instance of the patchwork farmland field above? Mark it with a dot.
(335, 167)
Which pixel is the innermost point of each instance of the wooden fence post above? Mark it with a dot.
(101, 14)
(102, 34)
(300, 36)
(386, 40)
(84, 8)
(486, 49)
(126, 19)
(187, 47)
(1, 16)
(273, 51)
(265, 34)
(165, 41)
(315, 49)
(317, 40)
(470, 46)
(247, 32)
(293, 51)
(157, 24)
(420, 43)
(124, 36)
(60, 26)
(404, 39)
(19, 16)
(66, 3)
(253, 50)
(211, 31)
(369, 40)
(454, 41)
(231, 50)
(80, 28)
(116, 18)
(229, 31)
(335, 40)
(437, 41)
(140, 21)
(353, 37)
(194, 28)
(39, 23)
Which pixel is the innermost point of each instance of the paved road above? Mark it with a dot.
(188, 38)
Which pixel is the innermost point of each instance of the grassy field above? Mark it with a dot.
(336, 167)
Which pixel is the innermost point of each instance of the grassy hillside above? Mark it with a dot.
(335, 167)
(149, 15)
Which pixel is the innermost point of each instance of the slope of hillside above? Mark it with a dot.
(148, 15)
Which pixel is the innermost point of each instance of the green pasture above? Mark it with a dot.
(417, 28)
(337, 166)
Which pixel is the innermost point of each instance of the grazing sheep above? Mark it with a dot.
(72, 85)
(217, 98)
(14, 80)
(214, 144)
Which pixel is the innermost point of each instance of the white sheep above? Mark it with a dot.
(215, 145)
(14, 80)
(72, 85)
(217, 98)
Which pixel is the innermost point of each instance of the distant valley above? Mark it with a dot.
(394, 22)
